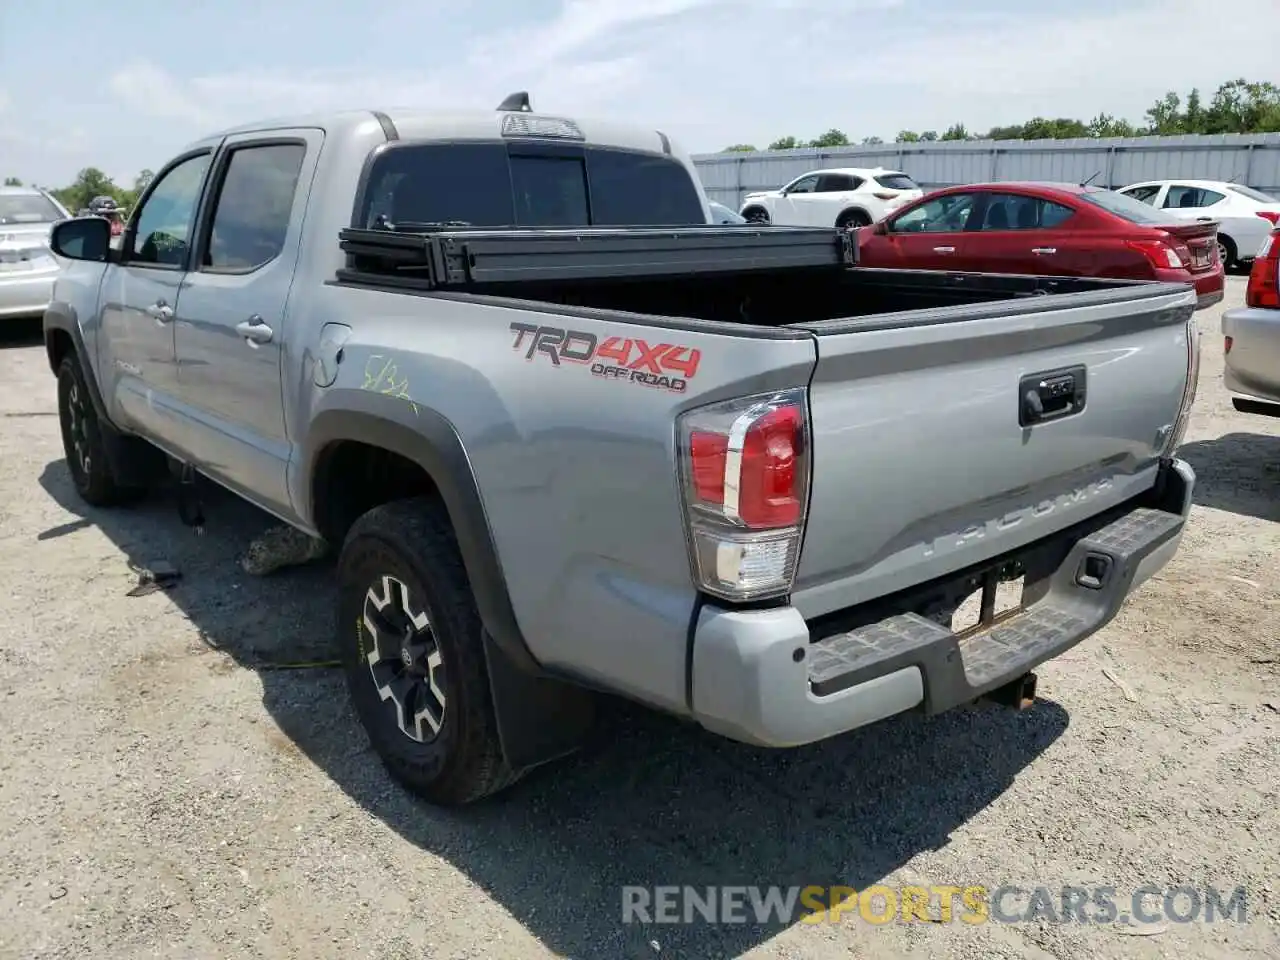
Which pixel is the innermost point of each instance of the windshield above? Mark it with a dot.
(1135, 211)
(529, 185)
(1251, 193)
(28, 208)
(896, 181)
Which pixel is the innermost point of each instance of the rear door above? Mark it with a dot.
(831, 197)
(920, 464)
(1187, 202)
(931, 236)
(229, 329)
(1019, 233)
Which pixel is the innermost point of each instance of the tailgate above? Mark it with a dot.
(921, 466)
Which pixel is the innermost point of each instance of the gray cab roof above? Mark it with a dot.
(419, 124)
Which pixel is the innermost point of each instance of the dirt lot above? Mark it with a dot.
(163, 793)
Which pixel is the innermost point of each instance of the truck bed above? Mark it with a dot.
(760, 276)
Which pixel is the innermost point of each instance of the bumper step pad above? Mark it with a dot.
(1084, 592)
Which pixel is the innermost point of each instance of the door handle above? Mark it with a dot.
(1044, 249)
(1205, 219)
(160, 311)
(255, 331)
(944, 249)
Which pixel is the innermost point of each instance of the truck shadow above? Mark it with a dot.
(651, 802)
(1238, 472)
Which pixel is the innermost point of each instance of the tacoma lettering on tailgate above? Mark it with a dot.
(667, 366)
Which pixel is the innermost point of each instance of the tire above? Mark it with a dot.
(426, 708)
(83, 442)
(851, 219)
(1227, 252)
(757, 215)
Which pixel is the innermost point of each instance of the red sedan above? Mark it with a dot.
(1049, 229)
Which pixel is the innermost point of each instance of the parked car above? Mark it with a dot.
(1244, 215)
(558, 451)
(723, 215)
(1051, 229)
(27, 267)
(843, 197)
(1251, 337)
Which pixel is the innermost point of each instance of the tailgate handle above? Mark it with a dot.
(1051, 395)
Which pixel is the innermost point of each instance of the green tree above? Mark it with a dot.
(736, 148)
(832, 138)
(1105, 125)
(929, 136)
(89, 183)
(1165, 115)
(1014, 132)
(957, 131)
(12, 182)
(907, 136)
(785, 143)
(1243, 107)
(871, 141)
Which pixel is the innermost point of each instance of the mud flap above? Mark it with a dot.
(539, 718)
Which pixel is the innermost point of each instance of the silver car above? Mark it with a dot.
(27, 267)
(1251, 347)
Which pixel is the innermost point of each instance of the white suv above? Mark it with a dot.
(843, 197)
(1245, 216)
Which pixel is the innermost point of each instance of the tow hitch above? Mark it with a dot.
(1018, 694)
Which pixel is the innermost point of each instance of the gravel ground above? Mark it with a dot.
(165, 793)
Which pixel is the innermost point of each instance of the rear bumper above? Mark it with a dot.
(1252, 367)
(767, 677)
(1210, 285)
(26, 294)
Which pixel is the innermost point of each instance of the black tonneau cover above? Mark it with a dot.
(429, 257)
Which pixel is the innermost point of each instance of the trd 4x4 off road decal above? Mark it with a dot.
(667, 366)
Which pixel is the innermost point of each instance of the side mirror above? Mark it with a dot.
(881, 228)
(82, 238)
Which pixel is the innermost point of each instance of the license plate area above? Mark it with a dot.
(998, 597)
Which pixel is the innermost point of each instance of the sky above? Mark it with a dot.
(124, 86)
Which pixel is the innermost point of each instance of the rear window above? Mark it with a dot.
(896, 181)
(1135, 211)
(529, 185)
(1251, 193)
(27, 208)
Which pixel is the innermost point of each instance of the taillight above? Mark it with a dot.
(1226, 345)
(1264, 278)
(1272, 215)
(1188, 390)
(745, 467)
(1159, 254)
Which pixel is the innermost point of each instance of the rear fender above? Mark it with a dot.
(539, 717)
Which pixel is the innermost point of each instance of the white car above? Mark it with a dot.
(1245, 216)
(27, 266)
(843, 197)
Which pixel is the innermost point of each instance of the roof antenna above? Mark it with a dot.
(517, 102)
(1091, 179)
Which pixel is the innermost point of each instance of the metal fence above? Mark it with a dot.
(1251, 159)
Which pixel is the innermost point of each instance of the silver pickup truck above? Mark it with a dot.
(570, 437)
